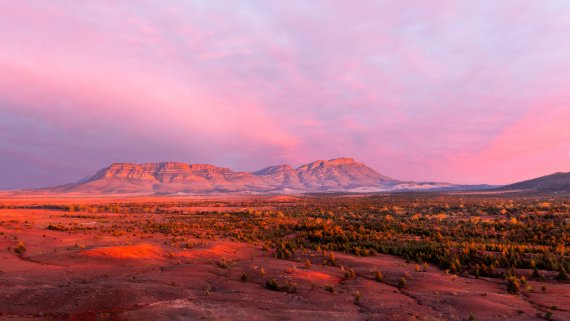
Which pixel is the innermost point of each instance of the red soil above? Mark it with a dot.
(86, 276)
(139, 251)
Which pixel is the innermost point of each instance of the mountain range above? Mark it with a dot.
(334, 175)
(340, 174)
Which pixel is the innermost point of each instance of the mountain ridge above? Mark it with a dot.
(555, 182)
(338, 174)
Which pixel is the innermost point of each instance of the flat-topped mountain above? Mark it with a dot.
(340, 174)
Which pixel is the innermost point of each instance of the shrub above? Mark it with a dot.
(222, 263)
(349, 274)
(402, 282)
(548, 315)
(285, 287)
(513, 286)
(20, 249)
(378, 276)
(284, 250)
(56, 227)
(331, 260)
(562, 275)
(272, 285)
(261, 271)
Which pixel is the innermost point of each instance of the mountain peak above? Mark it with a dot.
(342, 161)
(331, 162)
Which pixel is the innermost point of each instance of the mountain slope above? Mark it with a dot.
(339, 173)
(557, 182)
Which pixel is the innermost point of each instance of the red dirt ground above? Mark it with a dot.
(82, 276)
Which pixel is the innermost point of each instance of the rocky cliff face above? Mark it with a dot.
(172, 177)
(169, 172)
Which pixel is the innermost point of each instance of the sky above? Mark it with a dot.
(453, 91)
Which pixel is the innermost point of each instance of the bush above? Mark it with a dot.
(349, 274)
(513, 286)
(56, 227)
(261, 271)
(285, 287)
(402, 282)
(378, 276)
(331, 260)
(548, 315)
(562, 275)
(20, 249)
(284, 250)
(272, 285)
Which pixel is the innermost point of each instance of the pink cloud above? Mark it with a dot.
(443, 90)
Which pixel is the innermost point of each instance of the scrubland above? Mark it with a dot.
(366, 257)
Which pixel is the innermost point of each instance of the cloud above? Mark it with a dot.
(412, 88)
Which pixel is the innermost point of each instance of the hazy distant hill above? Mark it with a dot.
(557, 182)
(340, 174)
